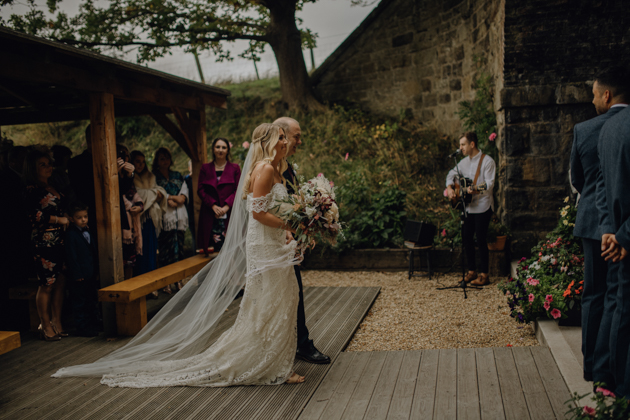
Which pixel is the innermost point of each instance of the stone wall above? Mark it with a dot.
(552, 48)
(415, 57)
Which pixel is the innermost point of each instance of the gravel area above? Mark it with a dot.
(412, 314)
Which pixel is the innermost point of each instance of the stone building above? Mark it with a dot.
(419, 57)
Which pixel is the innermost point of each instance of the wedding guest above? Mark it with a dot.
(306, 349)
(175, 220)
(584, 172)
(82, 260)
(613, 203)
(45, 208)
(130, 208)
(218, 181)
(154, 199)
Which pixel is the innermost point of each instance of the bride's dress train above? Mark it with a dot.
(259, 349)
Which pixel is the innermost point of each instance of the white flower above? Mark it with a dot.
(310, 212)
(563, 213)
(565, 222)
(295, 167)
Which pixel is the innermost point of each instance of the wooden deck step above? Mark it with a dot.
(9, 340)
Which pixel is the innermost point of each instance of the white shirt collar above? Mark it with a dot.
(619, 106)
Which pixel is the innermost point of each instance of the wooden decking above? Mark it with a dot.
(489, 383)
(28, 392)
(500, 383)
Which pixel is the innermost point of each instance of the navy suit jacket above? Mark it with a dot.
(613, 199)
(584, 170)
(81, 256)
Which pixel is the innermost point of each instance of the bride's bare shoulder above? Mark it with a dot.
(262, 176)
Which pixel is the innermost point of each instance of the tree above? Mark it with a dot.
(156, 26)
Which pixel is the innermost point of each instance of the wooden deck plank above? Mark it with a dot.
(382, 396)
(533, 388)
(446, 389)
(467, 387)
(424, 396)
(339, 401)
(514, 403)
(360, 399)
(555, 386)
(402, 400)
(489, 390)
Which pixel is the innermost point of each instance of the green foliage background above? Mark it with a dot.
(394, 169)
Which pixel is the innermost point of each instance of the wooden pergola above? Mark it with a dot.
(45, 81)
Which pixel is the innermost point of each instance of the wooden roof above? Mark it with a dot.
(46, 81)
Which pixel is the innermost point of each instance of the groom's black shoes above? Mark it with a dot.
(310, 354)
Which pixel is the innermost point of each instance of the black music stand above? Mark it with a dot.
(462, 284)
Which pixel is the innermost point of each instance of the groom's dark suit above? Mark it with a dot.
(613, 203)
(302, 331)
(584, 171)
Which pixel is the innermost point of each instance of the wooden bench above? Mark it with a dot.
(27, 291)
(9, 340)
(130, 295)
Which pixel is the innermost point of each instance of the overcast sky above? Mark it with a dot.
(332, 20)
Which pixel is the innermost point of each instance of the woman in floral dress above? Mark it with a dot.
(175, 220)
(45, 209)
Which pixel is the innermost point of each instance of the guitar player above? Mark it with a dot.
(480, 168)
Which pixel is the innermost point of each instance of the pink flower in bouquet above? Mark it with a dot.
(549, 298)
(347, 154)
(492, 137)
(606, 392)
(332, 184)
(245, 145)
(531, 297)
(589, 411)
(533, 281)
(546, 305)
(555, 313)
(443, 232)
(320, 174)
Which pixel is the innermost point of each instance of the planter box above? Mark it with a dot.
(442, 259)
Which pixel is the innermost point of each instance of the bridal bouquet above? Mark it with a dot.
(312, 210)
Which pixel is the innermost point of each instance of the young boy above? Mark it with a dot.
(81, 259)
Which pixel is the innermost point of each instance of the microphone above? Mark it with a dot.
(455, 153)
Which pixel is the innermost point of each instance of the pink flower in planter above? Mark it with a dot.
(555, 313)
(231, 145)
(564, 268)
(533, 281)
(589, 411)
(531, 297)
(492, 137)
(444, 232)
(245, 145)
(606, 392)
(549, 298)
(546, 305)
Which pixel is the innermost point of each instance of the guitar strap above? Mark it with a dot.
(478, 169)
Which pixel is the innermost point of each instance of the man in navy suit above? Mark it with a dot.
(584, 171)
(81, 259)
(613, 204)
(306, 350)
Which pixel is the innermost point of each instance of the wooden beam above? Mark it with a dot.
(9, 340)
(171, 128)
(107, 197)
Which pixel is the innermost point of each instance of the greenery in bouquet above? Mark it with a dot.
(449, 233)
(312, 211)
(549, 283)
(608, 406)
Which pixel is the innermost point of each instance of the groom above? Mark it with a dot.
(305, 349)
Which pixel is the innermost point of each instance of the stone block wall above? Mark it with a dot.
(417, 58)
(552, 50)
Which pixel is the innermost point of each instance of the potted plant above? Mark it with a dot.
(497, 235)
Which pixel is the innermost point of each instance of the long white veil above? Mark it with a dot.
(182, 328)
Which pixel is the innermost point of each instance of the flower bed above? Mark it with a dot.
(550, 283)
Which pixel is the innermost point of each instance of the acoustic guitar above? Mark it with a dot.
(461, 189)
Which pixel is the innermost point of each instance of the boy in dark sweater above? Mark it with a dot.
(81, 259)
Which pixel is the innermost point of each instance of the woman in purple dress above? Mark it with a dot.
(217, 185)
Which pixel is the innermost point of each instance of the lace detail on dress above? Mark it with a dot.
(258, 204)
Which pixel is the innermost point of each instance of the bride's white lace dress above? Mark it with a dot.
(260, 347)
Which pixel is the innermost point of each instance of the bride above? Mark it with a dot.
(259, 349)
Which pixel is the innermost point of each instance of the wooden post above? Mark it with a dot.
(107, 198)
(200, 155)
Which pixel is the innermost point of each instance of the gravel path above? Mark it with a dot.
(412, 314)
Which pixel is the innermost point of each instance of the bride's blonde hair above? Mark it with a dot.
(263, 148)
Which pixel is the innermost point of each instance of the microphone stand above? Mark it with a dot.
(462, 284)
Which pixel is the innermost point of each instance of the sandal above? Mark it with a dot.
(44, 337)
(59, 333)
